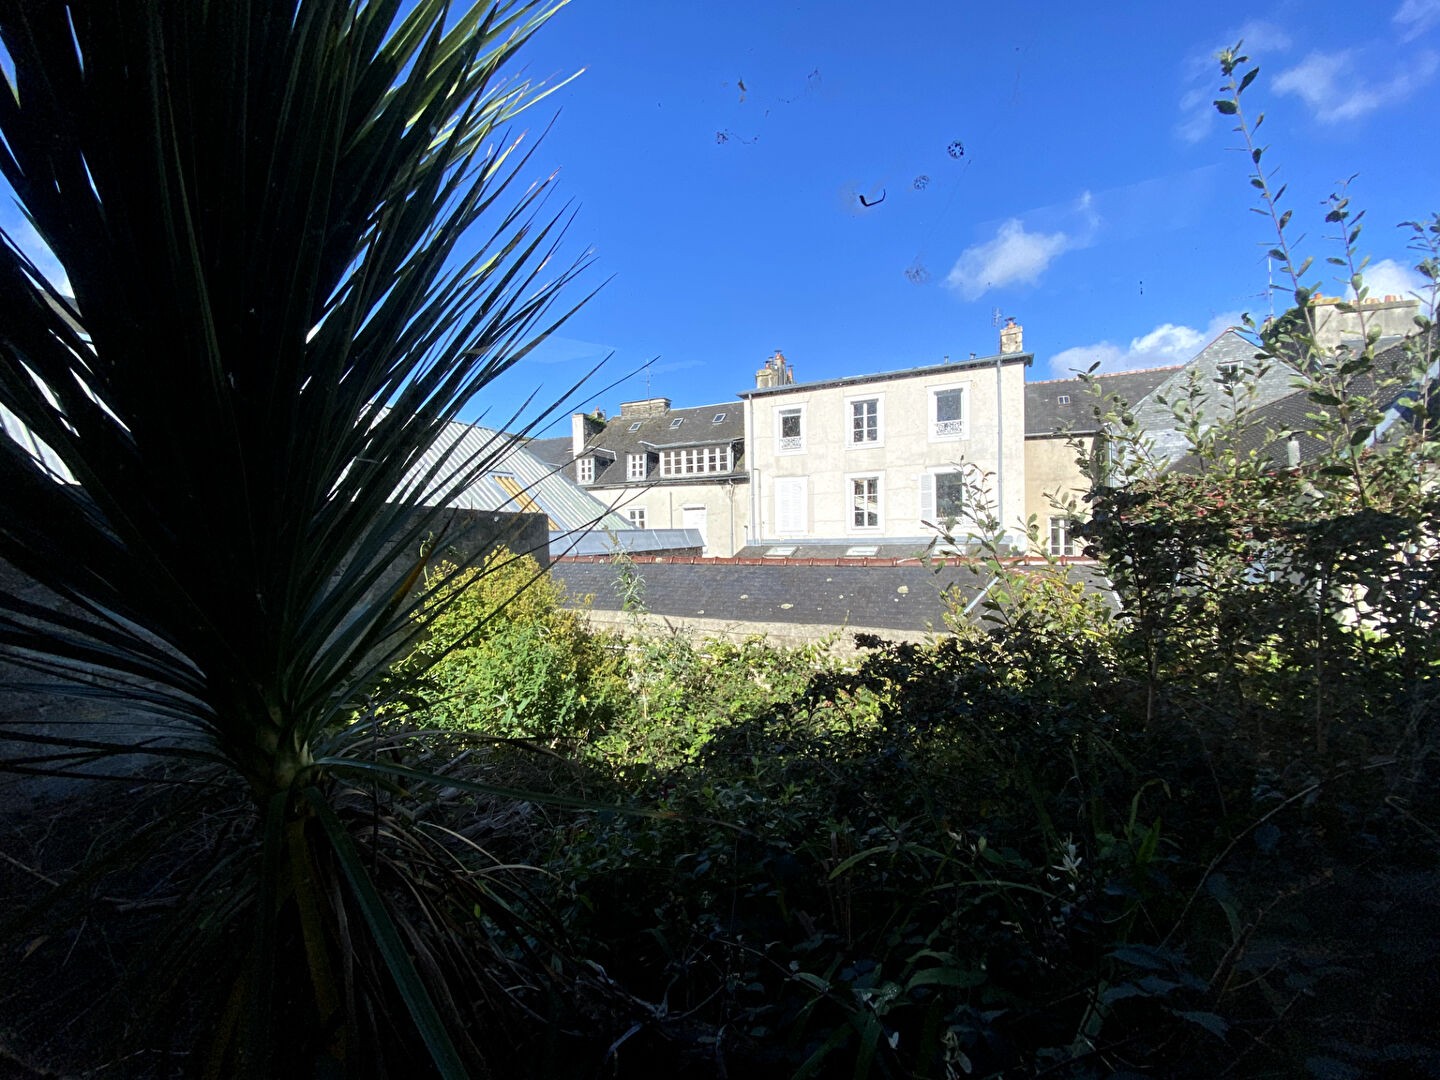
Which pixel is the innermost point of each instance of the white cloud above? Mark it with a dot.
(1017, 255)
(1414, 17)
(1168, 343)
(1328, 83)
(1390, 278)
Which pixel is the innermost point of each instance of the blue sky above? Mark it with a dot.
(1056, 162)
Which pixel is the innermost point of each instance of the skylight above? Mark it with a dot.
(676, 422)
(719, 418)
(780, 552)
(859, 552)
(635, 426)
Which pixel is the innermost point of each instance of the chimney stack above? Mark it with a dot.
(583, 428)
(776, 372)
(1012, 336)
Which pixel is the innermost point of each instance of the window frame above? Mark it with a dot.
(932, 415)
(631, 461)
(713, 460)
(852, 496)
(585, 469)
(930, 493)
(851, 403)
(1061, 530)
(636, 516)
(781, 412)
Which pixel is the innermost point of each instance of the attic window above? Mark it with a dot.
(1063, 399)
(635, 426)
(780, 552)
(719, 418)
(676, 422)
(861, 552)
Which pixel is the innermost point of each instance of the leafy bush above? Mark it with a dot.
(501, 656)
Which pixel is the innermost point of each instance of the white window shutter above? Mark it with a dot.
(790, 505)
(927, 497)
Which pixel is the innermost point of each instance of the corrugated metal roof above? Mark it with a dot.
(541, 487)
(633, 541)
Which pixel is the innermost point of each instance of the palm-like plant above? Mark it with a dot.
(295, 256)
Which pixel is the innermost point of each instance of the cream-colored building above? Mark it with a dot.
(1059, 421)
(874, 459)
(664, 468)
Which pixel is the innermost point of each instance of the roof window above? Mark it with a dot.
(780, 552)
(861, 552)
(635, 426)
(1063, 399)
(719, 418)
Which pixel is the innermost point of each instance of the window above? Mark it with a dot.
(865, 422)
(695, 461)
(636, 514)
(790, 429)
(1061, 542)
(782, 552)
(719, 418)
(942, 497)
(635, 427)
(521, 498)
(1063, 399)
(585, 470)
(676, 422)
(947, 413)
(865, 502)
(790, 498)
(862, 552)
(636, 466)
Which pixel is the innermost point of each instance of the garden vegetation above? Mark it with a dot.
(1191, 833)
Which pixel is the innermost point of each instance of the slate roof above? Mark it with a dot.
(885, 376)
(554, 452)
(1269, 427)
(672, 430)
(1047, 412)
(904, 597)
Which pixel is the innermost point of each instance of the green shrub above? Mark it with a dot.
(501, 656)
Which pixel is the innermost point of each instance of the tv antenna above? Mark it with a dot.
(996, 316)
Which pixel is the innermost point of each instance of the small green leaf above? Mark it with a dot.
(1226, 107)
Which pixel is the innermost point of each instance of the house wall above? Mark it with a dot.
(908, 447)
(726, 503)
(1050, 474)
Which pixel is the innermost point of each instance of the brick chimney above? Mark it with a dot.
(776, 372)
(1012, 336)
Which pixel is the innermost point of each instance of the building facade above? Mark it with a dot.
(664, 468)
(883, 458)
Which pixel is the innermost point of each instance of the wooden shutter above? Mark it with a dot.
(790, 505)
(927, 497)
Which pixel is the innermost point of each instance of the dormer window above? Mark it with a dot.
(636, 466)
(585, 470)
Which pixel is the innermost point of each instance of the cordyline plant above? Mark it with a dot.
(297, 251)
